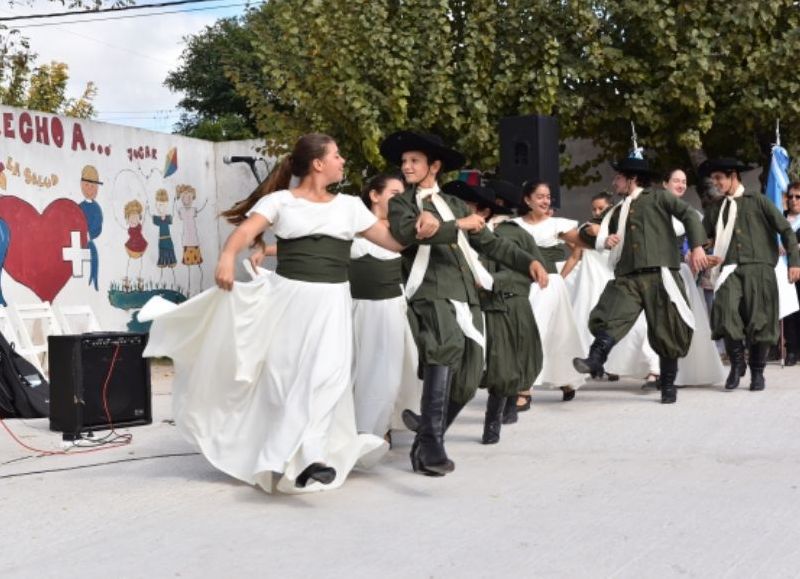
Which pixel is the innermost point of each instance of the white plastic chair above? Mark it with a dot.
(7, 327)
(34, 322)
(76, 319)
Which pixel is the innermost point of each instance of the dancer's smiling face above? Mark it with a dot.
(331, 165)
(418, 170)
(676, 184)
(539, 200)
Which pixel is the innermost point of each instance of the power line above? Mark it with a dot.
(126, 17)
(102, 10)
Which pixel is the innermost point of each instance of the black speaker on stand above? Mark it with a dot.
(81, 364)
(529, 151)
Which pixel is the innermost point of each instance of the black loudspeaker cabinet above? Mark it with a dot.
(529, 151)
(79, 365)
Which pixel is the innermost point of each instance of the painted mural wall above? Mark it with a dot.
(109, 216)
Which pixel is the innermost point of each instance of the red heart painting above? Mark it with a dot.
(35, 253)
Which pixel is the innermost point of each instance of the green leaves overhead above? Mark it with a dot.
(698, 78)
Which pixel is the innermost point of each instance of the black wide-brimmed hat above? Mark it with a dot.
(474, 194)
(511, 194)
(393, 147)
(632, 165)
(725, 165)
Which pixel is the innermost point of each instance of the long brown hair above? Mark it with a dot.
(298, 163)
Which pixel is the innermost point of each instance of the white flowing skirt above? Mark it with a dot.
(787, 294)
(702, 364)
(384, 365)
(559, 335)
(263, 378)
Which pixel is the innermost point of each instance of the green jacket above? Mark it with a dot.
(754, 240)
(649, 234)
(448, 276)
(508, 281)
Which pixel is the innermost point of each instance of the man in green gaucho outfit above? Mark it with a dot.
(513, 344)
(743, 226)
(442, 275)
(646, 260)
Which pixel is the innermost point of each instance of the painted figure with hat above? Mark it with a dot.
(743, 226)
(90, 183)
(442, 273)
(646, 260)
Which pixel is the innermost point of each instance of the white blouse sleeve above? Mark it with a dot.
(564, 225)
(361, 217)
(268, 206)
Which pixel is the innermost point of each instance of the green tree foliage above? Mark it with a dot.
(698, 78)
(214, 110)
(45, 89)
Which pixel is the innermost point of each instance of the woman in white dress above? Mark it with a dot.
(263, 369)
(702, 364)
(385, 356)
(551, 305)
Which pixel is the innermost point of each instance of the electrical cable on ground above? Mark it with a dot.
(97, 464)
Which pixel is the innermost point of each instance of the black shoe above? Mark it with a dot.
(435, 404)
(494, 419)
(612, 377)
(510, 410)
(315, 471)
(525, 406)
(735, 350)
(567, 393)
(416, 465)
(598, 354)
(669, 370)
(654, 383)
(791, 359)
(758, 361)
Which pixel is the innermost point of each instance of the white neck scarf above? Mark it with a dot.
(482, 277)
(723, 237)
(616, 251)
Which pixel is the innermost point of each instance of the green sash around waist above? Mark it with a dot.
(375, 279)
(552, 255)
(314, 258)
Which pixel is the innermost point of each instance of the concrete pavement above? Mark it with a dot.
(612, 484)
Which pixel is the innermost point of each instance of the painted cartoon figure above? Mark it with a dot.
(191, 242)
(90, 183)
(136, 244)
(163, 220)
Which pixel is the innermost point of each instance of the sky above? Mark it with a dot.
(128, 59)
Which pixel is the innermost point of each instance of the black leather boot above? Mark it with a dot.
(758, 361)
(510, 410)
(669, 370)
(411, 419)
(494, 418)
(598, 354)
(428, 455)
(735, 351)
